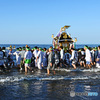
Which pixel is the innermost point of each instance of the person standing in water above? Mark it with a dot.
(22, 53)
(56, 59)
(45, 58)
(10, 57)
(67, 57)
(27, 59)
(61, 56)
(35, 52)
(82, 58)
(50, 61)
(98, 58)
(87, 57)
(1, 59)
(39, 58)
(74, 58)
(18, 57)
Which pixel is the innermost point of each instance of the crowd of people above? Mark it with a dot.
(27, 58)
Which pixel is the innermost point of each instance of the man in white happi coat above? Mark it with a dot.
(18, 57)
(39, 58)
(35, 52)
(74, 57)
(87, 57)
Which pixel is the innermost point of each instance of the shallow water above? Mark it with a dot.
(66, 84)
(63, 85)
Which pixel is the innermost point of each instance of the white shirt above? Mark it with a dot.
(88, 55)
(73, 54)
(28, 55)
(22, 53)
(17, 53)
(40, 56)
(62, 54)
(35, 53)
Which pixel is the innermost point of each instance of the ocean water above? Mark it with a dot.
(66, 84)
(45, 45)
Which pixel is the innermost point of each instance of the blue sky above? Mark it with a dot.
(34, 21)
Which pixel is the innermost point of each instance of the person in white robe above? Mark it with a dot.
(18, 57)
(35, 52)
(39, 58)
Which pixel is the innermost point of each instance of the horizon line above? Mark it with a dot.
(45, 44)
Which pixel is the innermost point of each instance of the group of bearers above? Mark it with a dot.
(27, 58)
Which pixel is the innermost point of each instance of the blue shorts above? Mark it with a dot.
(87, 62)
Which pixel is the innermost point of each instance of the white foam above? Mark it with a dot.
(44, 78)
(80, 70)
(11, 79)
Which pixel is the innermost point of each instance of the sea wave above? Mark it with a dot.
(44, 78)
(78, 70)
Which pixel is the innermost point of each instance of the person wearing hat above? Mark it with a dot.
(32, 50)
(39, 58)
(35, 52)
(18, 57)
(27, 59)
(22, 53)
(26, 46)
(87, 56)
(50, 61)
(10, 57)
(74, 57)
(20, 49)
